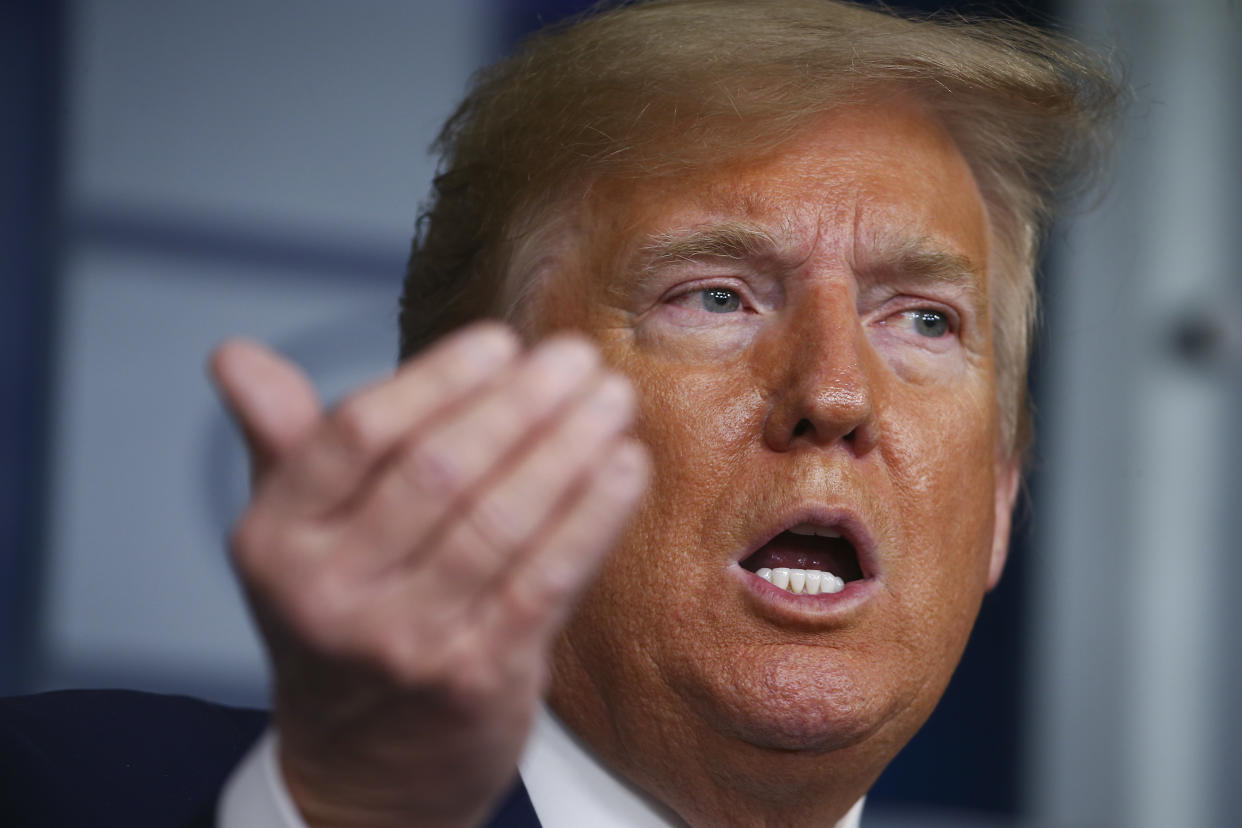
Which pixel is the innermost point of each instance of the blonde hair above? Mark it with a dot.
(660, 87)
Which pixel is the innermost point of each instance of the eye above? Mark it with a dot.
(929, 323)
(720, 300)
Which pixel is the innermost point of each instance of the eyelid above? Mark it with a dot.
(707, 283)
(913, 304)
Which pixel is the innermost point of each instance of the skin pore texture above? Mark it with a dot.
(810, 339)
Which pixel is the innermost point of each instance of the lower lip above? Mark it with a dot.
(825, 605)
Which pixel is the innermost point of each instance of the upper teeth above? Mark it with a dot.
(811, 529)
(797, 581)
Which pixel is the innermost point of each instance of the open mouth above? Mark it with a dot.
(807, 560)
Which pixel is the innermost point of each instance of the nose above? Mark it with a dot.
(822, 392)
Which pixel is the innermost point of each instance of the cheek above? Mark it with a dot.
(942, 470)
(691, 413)
(693, 420)
(699, 423)
(698, 426)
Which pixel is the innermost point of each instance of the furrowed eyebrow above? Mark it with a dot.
(730, 240)
(921, 261)
(734, 240)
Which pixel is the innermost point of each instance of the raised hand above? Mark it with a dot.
(410, 553)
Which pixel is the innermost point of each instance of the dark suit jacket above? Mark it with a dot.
(104, 758)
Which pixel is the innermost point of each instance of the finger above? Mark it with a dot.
(353, 441)
(417, 632)
(272, 401)
(508, 514)
(430, 483)
(540, 588)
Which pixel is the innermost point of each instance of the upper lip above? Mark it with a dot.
(848, 523)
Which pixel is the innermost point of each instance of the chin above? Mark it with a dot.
(794, 703)
(822, 732)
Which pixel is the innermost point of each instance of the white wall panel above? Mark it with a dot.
(313, 113)
(231, 167)
(1137, 632)
(147, 471)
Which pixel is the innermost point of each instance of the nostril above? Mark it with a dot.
(803, 426)
(853, 435)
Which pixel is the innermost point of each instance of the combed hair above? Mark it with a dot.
(662, 87)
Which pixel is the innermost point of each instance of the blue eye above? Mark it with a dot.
(930, 323)
(720, 300)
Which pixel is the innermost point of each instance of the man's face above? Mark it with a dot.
(810, 339)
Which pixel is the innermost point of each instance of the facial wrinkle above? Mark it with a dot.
(671, 614)
(855, 231)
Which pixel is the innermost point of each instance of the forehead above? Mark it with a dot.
(858, 179)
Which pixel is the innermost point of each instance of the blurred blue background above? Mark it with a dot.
(173, 173)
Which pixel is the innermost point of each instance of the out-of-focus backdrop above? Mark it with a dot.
(173, 172)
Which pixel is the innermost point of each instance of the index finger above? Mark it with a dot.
(360, 432)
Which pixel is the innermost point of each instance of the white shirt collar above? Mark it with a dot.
(569, 787)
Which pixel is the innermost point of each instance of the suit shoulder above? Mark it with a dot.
(117, 757)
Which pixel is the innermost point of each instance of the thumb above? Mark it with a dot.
(271, 399)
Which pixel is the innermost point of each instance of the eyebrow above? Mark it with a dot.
(921, 260)
(918, 259)
(730, 240)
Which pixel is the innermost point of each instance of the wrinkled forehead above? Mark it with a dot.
(882, 180)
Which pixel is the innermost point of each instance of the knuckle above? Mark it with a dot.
(524, 609)
(466, 562)
(322, 608)
(544, 591)
(253, 544)
(432, 466)
(494, 525)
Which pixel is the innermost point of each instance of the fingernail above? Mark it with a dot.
(491, 346)
(613, 396)
(629, 462)
(568, 356)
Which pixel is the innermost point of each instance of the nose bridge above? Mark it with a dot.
(825, 394)
(826, 329)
